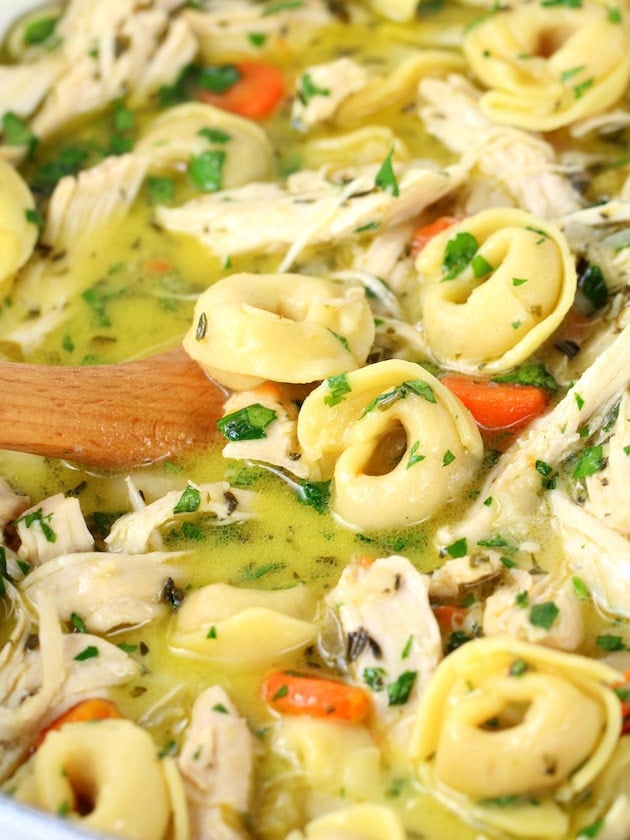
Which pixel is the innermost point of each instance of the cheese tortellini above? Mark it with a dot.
(106, 776)
(18, 234)
(397, 443)
(547, 65)
(493, 288)
(511, 722)
(243, 627)
(283, 327)
(240, 148)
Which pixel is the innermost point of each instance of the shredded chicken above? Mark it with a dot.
(509, 610)
(512, 167)
(138, 531)
(321, 88)
(82, 205)
(280, 445)
(54, 526)
(312, 207)
(386, 618)
(514, 486)
(107, 591)
(216, 762)
(38, 682)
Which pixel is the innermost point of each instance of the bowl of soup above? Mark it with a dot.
(388, 599)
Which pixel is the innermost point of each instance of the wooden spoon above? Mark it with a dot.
(112, 416)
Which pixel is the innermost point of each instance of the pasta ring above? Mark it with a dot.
(193, 128)
(544, 65)
(522, 273)
(504, 718)
(397, 443)
(113, 765)
(18, 235)
(283, 327)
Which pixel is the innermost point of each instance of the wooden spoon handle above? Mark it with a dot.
(111, 416)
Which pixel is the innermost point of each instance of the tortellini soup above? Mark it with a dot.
(389, 598)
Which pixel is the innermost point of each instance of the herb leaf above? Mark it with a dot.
(398, 692)
(385, 177)
(249, 423)
(458, 253)
(534, 373)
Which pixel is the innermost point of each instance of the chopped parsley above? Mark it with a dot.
(40, 30)
(206, 170)
(189, 501)
(480, 267)
(447, 458)
(534, 373)
(609, 642)
(543, 615)
(459, 548)
(398, 692)
(315, 494)
(339, 387)
(90, 652)
(307, 89)
(414, 456)
(283, 6)
(592, 284)
(248, 423)
(160, 190)
(37, 516)
(214, 135)
(78, 623)
(385, 177)
(458, 254)
(400, 392)
(375, 678)
(16, 132)
(589, 462)
(549, 476)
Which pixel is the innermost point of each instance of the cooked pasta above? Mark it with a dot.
(543, 64)
(395, 440)
(502, 261)
(245, 325)
(390, 598)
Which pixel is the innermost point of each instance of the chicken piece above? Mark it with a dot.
(225, 30)
(280, 445)
(513, 167)
(216, 762)
(106, 591)
(608, 489)
(138, 531)
(24, 86)
(37, 683)
(509, 611)
(54, 526)
(514, 486)
(393, 639)
(312, 207)
(595, 553)
(462, 573)
(177, 50)
(82, 205)
(12, 504)
(322, 87)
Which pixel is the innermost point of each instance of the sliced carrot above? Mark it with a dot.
(625, 704)
(449, 618)
(256, 94)
(96, 708)
(158, 266)
(423, 235)
(498, 405)
(297, 694)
